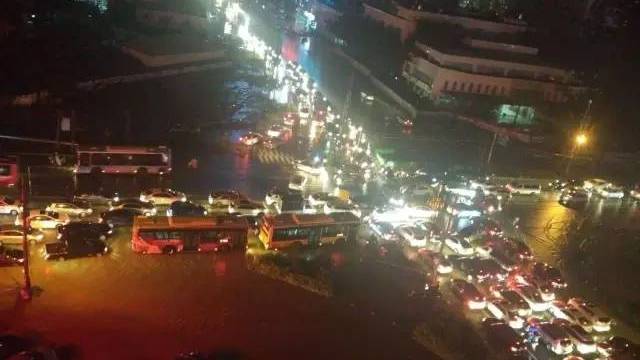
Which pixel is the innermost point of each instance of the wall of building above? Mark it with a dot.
(442, 80)
(504, 47)
(465, 22)
(496, 67)
(406, 27)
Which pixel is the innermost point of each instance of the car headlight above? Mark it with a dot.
(184, 198)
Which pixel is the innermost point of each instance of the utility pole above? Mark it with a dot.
(493, 144)
(25, 292)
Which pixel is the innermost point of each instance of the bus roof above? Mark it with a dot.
(124, 149)
(179, 222)
(285, 220)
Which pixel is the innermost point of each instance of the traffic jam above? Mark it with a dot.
(340, 191)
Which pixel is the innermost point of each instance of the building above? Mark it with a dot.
(482, 63)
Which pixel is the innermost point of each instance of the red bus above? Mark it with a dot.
(168, 235)
(9, 172)
(286, 230)
(124, 160)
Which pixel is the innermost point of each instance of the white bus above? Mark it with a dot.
(124, 160)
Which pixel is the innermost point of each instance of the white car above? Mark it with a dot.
(593, 185)
(44, 222)
(250, 139)
(524, 189)
(9, 206)
(336, 205)
(297, 182)
(224, 197)
(246, 207)
(504, 310)
(162, 196)
(319, 199)
(600, 323)
(567, 312)
(309, 168)
(384, 231)
(277, 131)
(459, 245)
(68, 209)
(415, 236)
(14, 236)
(611, 191)
(635, 193)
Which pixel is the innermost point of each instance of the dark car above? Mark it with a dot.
(518, 249)
(547, 274)
(75, 246)
(468, 294)
(503, 339)
(186, 208)
(11, 345)
(617, 345)
(120, 217)
(10, 256)
(146, 208)
(479, 269)
(84, 228)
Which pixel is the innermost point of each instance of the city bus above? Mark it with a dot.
(124, 160)
(8, 172)
(168, 235)
(285, 230)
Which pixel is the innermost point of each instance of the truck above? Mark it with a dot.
(72, 247)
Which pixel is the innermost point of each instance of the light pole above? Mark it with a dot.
(25, 292)
(580, 140)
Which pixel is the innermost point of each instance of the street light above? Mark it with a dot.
(580, 140)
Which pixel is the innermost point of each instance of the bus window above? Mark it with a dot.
(147, 235)
(100, 159)
(329, 230)
(281, 235)
(148, 159)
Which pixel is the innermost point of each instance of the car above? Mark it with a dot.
(555, 338)
(559, 185)
(384, 230)
(87, 229)
(463, 210)
(518, 249)
(75, 246)
(582, 341)
(573, 196)
(93, 198)
(561, 310)
(468, 294)
(545, 273)
(415, 236)
(162, 196)
(480, 269)
(366, 98)
(337, 205)
(600, 323)
(250, 139)
(146, 208)
(247, 207)
(11, 345)
(616, 345)
(273, 198)
(532, 297)
(41, 222)
(319, 199)
(593, 185)
(11, 255)
(516, 301)
(524, 189)
(14, 235)
(459, 245)
(186, 208)
(68, 209)
(503, 339)
(297, 182)
(224, 198)
(309, 168)
(290, 119)
(272, 143)
(610, 191)
(504, 310)
(504, 258)
(120, 217)
(278, 131)
(436, 260)
(10, 206)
